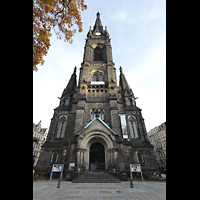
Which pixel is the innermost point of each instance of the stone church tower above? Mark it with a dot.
(97, 121)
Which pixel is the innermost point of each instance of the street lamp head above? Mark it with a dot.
(64, 152)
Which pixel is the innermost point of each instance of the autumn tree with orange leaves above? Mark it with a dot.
(60, 15)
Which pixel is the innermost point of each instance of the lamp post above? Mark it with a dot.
(59, 181)
(131, 178)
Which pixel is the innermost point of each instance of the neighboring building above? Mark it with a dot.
(157, 137)
(39, 138)
(98, 121)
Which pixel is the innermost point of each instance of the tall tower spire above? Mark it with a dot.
(98, 28)
(97, 55)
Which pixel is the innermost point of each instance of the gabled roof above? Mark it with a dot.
(97, 118)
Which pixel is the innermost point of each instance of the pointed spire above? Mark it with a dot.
(98, 25)
(120, 69)
(70, 86)
(75, 70)
(89, 33)
(124, 84)
(106, 32)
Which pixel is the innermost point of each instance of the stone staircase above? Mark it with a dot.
(96, 177)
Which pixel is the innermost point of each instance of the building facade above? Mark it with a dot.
(157, 137)
(39, 138)
(97, 121)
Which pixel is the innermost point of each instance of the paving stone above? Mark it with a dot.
(143, 190)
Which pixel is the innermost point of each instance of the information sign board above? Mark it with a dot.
(136, 168)
(71, 165)
(56, 168)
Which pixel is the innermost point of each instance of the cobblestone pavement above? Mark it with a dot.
(150, 190)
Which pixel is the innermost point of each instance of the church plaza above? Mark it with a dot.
(146, 190)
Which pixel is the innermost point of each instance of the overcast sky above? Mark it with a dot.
(138, 38)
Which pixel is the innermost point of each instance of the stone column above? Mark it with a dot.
(109, 159)
(113, 163)
(80, 159)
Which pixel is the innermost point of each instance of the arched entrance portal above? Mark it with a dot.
(97, 156)
(96, 146)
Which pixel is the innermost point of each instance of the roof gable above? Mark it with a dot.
(93, 122)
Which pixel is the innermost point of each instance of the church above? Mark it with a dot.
(97, 120)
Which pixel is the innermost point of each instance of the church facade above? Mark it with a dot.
(97, 121)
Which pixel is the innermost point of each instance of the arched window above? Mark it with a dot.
(93, 114)
(97, 75)
(61, 127)
(101, 115)
(98, 54)
(54, 157)
(132, 127)
(140, 157)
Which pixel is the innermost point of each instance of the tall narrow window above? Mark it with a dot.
(98, 54)
(101, 115)
(140, 157)
(100, 77)
(54, 157)
(135, 129)
(61, 127)
(94, 78)
(128, 103)
(67, 102)
(132, 127)
(93, 114)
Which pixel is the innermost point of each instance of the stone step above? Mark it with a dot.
(96, 181)
(96, 177)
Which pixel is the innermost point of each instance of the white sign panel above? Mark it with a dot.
(57, 168)
(135, 167)
(72, 164)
